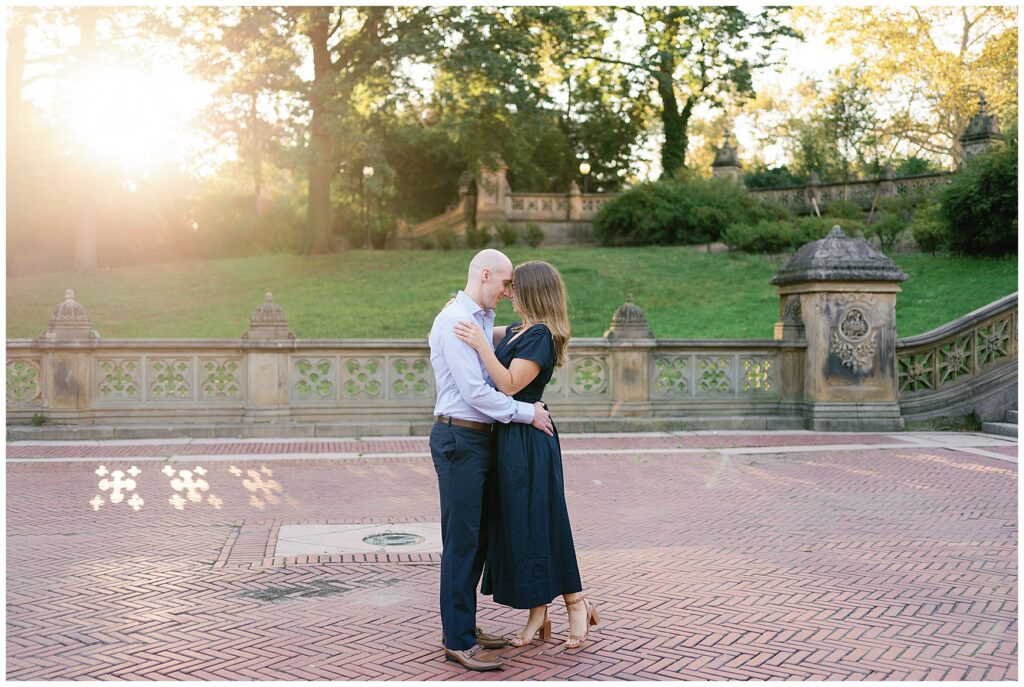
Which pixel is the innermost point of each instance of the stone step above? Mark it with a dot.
(1011, 416)
(370, 428)
(1005, 429)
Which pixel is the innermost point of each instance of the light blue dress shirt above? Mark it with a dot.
(464, 388)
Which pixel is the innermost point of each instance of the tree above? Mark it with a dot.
(249, 53)
(925, 66)
(691, 55)
(495, 93)
(850, 121)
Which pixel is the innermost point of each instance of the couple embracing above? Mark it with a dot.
(498, 462)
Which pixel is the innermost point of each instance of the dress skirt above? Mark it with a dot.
(530, 555)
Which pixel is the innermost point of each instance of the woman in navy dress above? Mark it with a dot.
(530, 554)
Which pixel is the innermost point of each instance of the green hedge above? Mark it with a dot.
(782, 236)
(691, 211)
(979, 206)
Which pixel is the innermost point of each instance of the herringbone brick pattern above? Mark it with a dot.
(896, 564)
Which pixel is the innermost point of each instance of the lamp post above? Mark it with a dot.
(367, 173)
(585, 171)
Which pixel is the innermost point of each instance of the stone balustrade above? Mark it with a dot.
(862, 192)
(265, 380)
(834, 364)
(965, 365)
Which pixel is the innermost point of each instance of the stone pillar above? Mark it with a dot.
(727, 163)
(68, 344)
(268, 342)
(982, 133)
(575, 202)
(887, 184)
(492, 194)
(812, 193)
(843, 292)
(630, 353)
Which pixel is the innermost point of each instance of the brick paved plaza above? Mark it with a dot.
(729, 555)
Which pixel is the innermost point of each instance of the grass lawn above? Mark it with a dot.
(686, 293)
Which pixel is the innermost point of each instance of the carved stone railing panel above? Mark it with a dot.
(24, 381)
(713, 374)
(556, 385)
(589, 375)
(170, 379)
(541, 207)
(959, 351)
(671, 376)
(118, 379)
(757, 375)
(314, 378)
(410, 378)
(362, 378)
(220, 378)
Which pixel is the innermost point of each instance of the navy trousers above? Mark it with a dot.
(462, 459)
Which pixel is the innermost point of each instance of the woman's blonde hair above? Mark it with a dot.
(540, 295)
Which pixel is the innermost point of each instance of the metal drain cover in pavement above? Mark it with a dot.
(393, 539)
(398, 537)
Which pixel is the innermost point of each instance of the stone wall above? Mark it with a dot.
(802, 199)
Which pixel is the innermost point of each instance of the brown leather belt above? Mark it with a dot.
(468, 424)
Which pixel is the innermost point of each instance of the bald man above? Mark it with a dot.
(462, 444)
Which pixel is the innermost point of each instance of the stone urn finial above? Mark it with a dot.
(629, 322)
(69, 321)
(838, 258)
(982, 132)
(727, 161)
(268, 322)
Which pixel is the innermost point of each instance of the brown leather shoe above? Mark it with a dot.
(489, 641)
(476, 658)
(486, 640)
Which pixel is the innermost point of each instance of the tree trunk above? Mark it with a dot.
(85, 231)
(318, 209)
(673, 150)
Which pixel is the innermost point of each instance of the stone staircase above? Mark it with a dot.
(1007, 428)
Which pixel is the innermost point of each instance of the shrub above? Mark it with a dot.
(979, 205)
(445, 238)
(777, 236)
(928, 228)
(533, 234)
(477, 237)
(506, 233)
(678, 211)
(844, 208)
(771, 177)
(814, 228)
(425, 243)
(764, 237)
(915, 165)
(888, 230)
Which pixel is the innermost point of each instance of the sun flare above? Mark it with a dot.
(130, 118)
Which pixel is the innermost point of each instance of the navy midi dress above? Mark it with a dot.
(530, 554)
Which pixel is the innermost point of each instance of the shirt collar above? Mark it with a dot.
(472, 306)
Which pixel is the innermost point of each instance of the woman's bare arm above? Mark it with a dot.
(508, 380)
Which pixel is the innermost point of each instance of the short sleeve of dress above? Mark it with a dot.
(537, 345)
